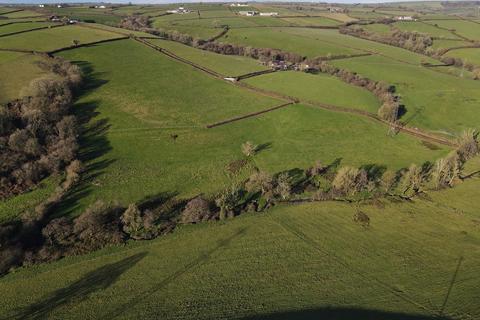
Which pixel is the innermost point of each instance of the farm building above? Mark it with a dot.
(239, 5)
(248, 13)
(405, 18)
(180, 10)
(269, 14)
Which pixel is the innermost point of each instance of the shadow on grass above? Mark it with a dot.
(93, 141)
(99, 279)
(343, 314)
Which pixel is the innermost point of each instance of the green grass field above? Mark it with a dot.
(430, 29)
(445, 44)
(143, 117)
(19, 69)
(434, 100)
(469, 55)
(415, 261)
(22, 14)
(378, 28)
(312, 21)
(194, 163)
(51, 39)
(467, 29)
(223, 64)
(17, 27)
(320, 88)
(302, 41)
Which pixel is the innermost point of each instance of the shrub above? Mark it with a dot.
(249, 149)
(196, 210)
(350, 181)
(283, 188)
(412, 180)
(260, 181)
(98, 226)
(445, 171)
(468, 144)
(137, 224)
(361, 218)
(228, 201)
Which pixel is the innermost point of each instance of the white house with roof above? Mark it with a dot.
(248, 13)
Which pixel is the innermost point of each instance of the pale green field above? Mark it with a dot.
(429, 29)
(434, 100)
(22, 14)
(468, 29)
(441, 44)
(320, 88)
(51, 39)
(16, 27)
(312, 21)
(223, 64)
(471, 55)
(16, 70)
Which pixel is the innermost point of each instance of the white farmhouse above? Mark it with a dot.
(248, 13)
(269, 14)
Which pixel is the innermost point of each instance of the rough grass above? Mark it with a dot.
(16, 27)
(434, 100)
(318, 88)
(416, 260)
(19, 69)
(51, 39)
(223, 64)
(441, 44)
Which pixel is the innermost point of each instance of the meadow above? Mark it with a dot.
(416, 260)
(428, 95)
(19, 69)
(227, 65)
(470, 55)
(143, 135)
(18, 27)
(464, 28)
(426, 28)
(193, 163)
(51, 39)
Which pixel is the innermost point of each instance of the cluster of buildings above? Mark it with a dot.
(405, 18)
(239, 5)
(256, 13)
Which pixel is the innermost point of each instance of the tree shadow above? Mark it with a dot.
(418, 111)
(263, 146)
(374, 171)
(344, 314)
(93, 141)
(96, 280)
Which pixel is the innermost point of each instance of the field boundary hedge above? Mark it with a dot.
(30, 30)
(84, 45)
(250, 115)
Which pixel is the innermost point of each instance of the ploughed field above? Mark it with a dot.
(146, 131)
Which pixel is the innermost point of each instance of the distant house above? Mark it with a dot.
(100, 7)
(59, 6)
(248, 13)
(72, 21)
(239, 5)
(41, 6)
(180, 10)
(269, 14)
(336, 9)
(54, 19)
(405, 18)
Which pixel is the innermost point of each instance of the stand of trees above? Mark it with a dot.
(37, 133)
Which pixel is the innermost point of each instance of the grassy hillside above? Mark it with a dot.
(416, 260)
(318, 88)
(51, 39)
(17, 27)
(433, 100)
(19, 69)
(223, 64)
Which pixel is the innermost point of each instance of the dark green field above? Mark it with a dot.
(145, 132)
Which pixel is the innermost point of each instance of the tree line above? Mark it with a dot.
(103, 224)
